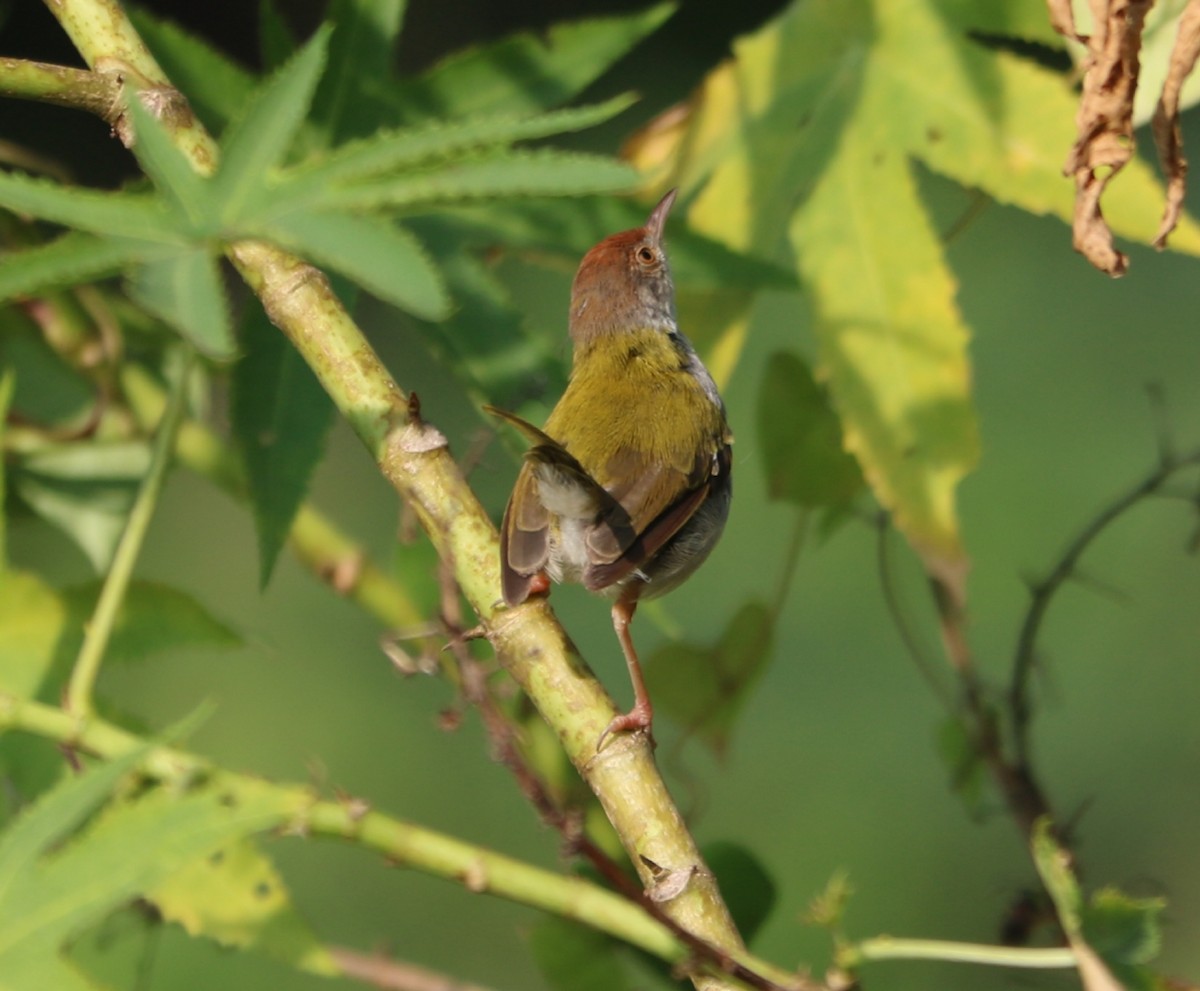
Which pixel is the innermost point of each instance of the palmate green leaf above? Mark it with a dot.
(800, 437)
(281, 417)
(217, 88)
(130, 849)
(86, 489)
(827, 107)
(185, 290)
(360, 55)
(544, 172)
(67, 260)
(131, 215)
(704, 688)
(188, 195)
(527, 72)
(893, 344)
(237, 897)
(390, 151)
(260, 137)
(49, 821)
(378, 254)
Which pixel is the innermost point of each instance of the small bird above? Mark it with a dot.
(627, 488)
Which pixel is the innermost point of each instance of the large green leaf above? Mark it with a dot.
(527, 72)
(360, 55)
(390, 151)
(260, 137)
(826, 108)
(49, 892)
(188, 195)
(544, 172)
(73, 258)
(381, 256)
(41, 629)
(131, 215)
(281, 417)
(86, 489)
(185, 290)
(801, 439)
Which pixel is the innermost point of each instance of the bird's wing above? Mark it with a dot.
(659, 502)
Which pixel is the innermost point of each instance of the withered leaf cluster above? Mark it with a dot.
(1104, 124)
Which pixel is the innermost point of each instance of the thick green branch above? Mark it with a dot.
(477, 868)
(93, 92)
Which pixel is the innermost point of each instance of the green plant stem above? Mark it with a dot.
(892, 948)
(480, 870)
(80, 89)
(415, 459)
(314, 539)
(99, 629)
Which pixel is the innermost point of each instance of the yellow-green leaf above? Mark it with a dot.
(236, 896)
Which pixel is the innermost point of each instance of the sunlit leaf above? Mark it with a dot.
(32, 616)
(281, 417)
(705, 688)
(236, 896)
(527, 72)
(46, 896)
(801, 438)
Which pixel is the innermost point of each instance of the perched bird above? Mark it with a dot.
(627, 487)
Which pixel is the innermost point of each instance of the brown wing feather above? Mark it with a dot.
(706, 473)
(524, 539)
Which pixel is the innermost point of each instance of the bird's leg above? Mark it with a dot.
(642, 713)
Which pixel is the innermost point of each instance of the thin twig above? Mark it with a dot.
(94, 92)
(1044, 591)
(394, 975)
(98, 631)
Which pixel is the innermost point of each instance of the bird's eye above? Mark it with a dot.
(646, 255)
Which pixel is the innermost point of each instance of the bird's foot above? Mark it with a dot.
(637, 719)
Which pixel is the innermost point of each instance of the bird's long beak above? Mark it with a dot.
(658, 216)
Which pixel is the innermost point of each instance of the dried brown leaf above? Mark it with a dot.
(1105, 120)
(1167, 135)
